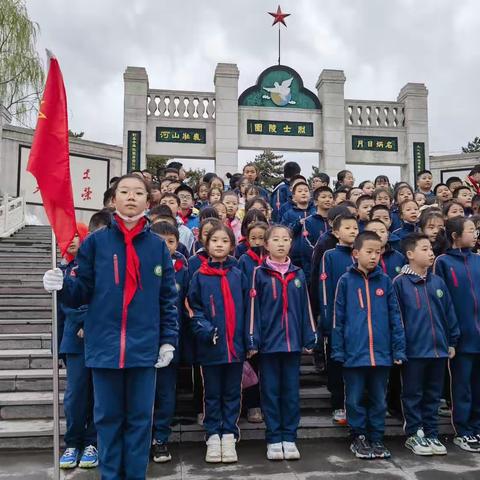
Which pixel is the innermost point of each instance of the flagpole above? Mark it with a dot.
(279, 43)
(54, 339)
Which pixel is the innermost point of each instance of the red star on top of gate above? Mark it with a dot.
(279, 16)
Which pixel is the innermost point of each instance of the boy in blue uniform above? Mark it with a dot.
(381, 212)
(391, 261)
(364, 204)
(281, 193)
(167, 377)
(317, 223)
(431, 331)
(334, 264)
(367, 337)
(301, 252)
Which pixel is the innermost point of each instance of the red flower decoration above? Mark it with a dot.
(323, 276)
(379, 292)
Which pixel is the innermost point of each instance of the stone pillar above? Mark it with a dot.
(135, 80)
(415, 98)
(5, 119)
(226, 118)
(330, 87)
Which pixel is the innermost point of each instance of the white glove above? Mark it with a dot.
(53, 280)
(165, 355)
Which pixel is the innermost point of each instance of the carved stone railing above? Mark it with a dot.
(360, 113)
(181, 105)
(12, 215)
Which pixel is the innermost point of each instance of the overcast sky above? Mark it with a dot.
(381, 45)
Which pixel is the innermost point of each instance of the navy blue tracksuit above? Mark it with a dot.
(367, 336)
(316, 226)
(121, 346)
(460, 270)
(301, 250)
(280, 195)
(222, 364)
(392, 262)
(281, 325)
(430, 329)
(335, 263)
(78, 400)
(165, 394)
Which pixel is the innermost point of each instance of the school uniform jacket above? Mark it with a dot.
(70, 320)
(248, 262)
(241, 247)
(281, 319)
(301, 250)
(316, 225)
(367, 328)
(335, 263)
(397, 222)
(428, 315)
(281, 193)
(394, 241)
(207, 314)
(391, 262)
(405, 229)
(460, 270)
(184, 352)
(152, 318)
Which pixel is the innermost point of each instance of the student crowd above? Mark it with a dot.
(379, 282)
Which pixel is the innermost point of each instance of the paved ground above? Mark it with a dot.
(321, 459)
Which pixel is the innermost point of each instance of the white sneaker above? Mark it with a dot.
(214, 450)
(290, 451)
(229, 454)
(438, 448)
(275, 451)
(468, 443)
(418, 444)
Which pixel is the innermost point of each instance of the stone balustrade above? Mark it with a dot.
(181, 104)
(12, 215)
(359, 113)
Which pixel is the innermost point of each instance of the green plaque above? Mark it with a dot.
(418, 158)
(377, 144)
(272, 127)
(279, 86)
(181, 135)
(133, 150)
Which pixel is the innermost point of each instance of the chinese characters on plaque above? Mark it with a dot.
(271, 127)
(181, 135)
(379, 144)
(89, 180)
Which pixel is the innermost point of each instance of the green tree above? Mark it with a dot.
(270, 167)
(315, 171)
(473, 146)
(194, 176)
(155, 163)
(21, 71)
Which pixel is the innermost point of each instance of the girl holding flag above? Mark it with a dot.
(125, 275)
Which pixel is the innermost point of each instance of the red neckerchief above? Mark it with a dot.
(228, 222)
(132, 276)
(256, 258)
(229, 304)
(243, 240)
(203, 256)
(284, 281)
(184, 218)
(178, 265)
(475, 184)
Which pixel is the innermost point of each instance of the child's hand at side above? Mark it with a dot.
(398, 362)
(451, 352)
(251, 353)
(308, 350)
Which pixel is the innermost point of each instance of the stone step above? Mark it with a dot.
(13, 313)
(25, 359)
(28, 326)
(28, 270)
(23, 405)
(24, 291)
(26, 301)
(29, 380)
(17, 341)
(14, 260)
(33, 434)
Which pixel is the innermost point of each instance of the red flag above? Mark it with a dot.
(49, 160)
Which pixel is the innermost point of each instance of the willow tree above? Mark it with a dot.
(21, 71)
